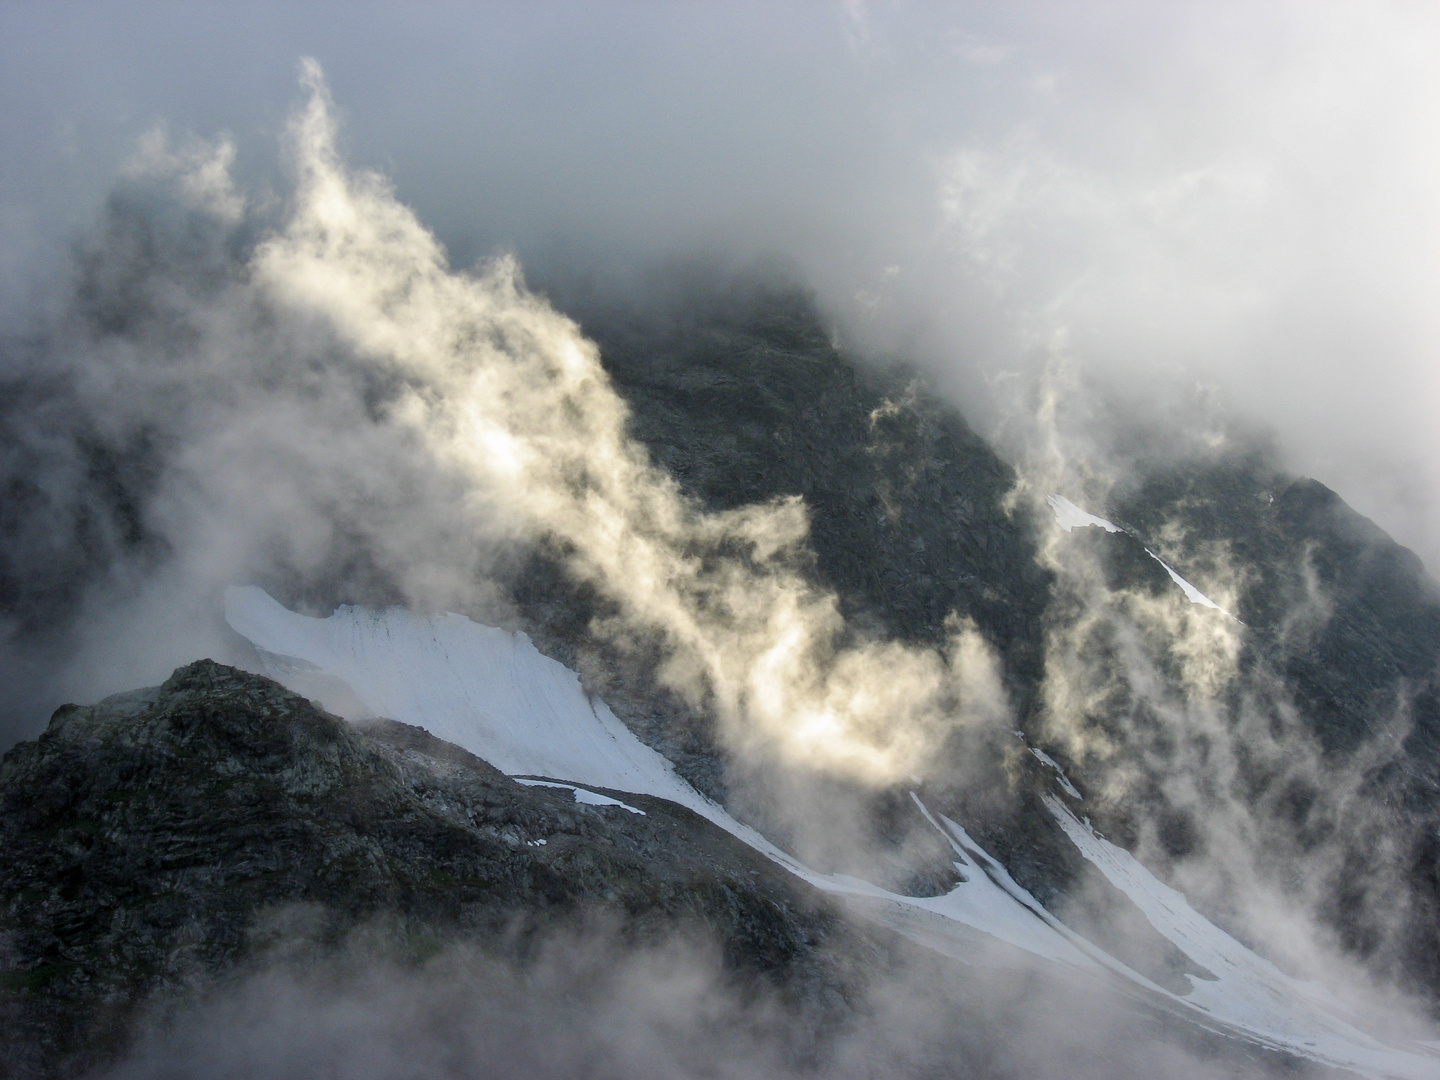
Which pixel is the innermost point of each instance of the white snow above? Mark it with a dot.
(484, 689)
(492, 693)
(1194, 595)
(1249, 992)
(1069, 516)
(1059, 772)
(590, 798)
(991, 901)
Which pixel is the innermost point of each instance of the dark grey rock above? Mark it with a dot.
(156, 840)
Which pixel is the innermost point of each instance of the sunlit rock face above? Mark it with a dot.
(737, 391)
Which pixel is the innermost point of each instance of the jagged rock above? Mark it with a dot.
(151, 840)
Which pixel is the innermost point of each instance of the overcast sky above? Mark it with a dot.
(1202, 202)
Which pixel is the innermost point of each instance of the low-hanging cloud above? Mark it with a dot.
(591, 1002)
(509, 394)
(329, 382)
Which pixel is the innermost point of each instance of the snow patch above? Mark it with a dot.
(589, 798)
(1069, 516)
(1059, 772)
(1249, 992)
(486, 690)
(991, 901)
(1194, 595)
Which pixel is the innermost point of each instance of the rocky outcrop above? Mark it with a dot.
(154, 841)
(1340, 658)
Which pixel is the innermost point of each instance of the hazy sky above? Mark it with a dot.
(1203, 202)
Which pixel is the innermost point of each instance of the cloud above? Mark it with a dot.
(323, 386)
(1186, 730)
(591, 1002)
(1235, 202)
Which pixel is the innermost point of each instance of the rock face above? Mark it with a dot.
(1348, 616)
(151, 840)
(741, 395)
(738, 392)
(1341, 652)
(743, 398)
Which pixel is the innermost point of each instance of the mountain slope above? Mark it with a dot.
(146, 838)
(495, 695)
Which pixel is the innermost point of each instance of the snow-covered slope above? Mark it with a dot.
(1069, 516)
(482, 688)
(1248, 991)
(496, 695)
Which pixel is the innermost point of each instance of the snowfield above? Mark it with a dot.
(588, 798)
(494, 694)
(1248, 992)
(1069, 516)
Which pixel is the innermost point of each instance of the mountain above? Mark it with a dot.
(1331, 644)
(1211, 730)
(178, 842)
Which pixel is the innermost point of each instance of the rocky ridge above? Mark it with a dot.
(157, 840)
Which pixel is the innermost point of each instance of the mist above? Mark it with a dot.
(594, 1002)
(1221, 216)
